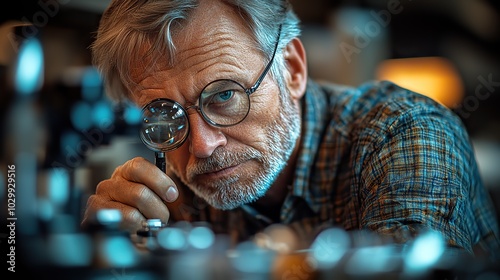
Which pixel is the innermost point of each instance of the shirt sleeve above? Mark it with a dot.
(421, 174)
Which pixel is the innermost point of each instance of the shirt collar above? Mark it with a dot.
(314, 106)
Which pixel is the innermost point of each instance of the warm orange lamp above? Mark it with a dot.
(435, 77)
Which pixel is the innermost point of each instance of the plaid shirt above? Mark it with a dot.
(376, 157)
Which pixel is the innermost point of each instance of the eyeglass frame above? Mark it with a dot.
(248, 91)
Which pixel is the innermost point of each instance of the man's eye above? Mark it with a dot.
(222, 96)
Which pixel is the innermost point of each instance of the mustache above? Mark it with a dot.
(221, 159)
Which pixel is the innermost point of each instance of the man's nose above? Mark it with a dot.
(203, 137)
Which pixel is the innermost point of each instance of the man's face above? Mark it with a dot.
(228, 166)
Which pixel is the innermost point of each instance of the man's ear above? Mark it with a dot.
(296, 63)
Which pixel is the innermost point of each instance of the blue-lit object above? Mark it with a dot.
(250, 258)
(26, 176)
(102, 115)
(69, 140)
(58, 186)
(329, 247)
(371, 260)
(109, 216)
(25, 130)
(70, 250)
(201, 237)
(91, 85)
(45, 209)
(81, 116)
(171, 238)
(425, 252)
(132, 114)
(118, 251)
(29, 72)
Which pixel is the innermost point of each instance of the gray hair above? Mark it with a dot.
(127, 26)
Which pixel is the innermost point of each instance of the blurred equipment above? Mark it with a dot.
(25, 129)
(193, 251)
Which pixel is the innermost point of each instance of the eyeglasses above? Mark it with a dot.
(222, 103)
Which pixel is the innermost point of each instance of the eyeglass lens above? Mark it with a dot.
(224, 103)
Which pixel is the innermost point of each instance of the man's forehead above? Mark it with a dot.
(209, 20)
(212, 33)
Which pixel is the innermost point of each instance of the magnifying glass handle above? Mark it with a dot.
(160, 161)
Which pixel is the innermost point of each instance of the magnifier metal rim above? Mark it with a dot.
(171, 147)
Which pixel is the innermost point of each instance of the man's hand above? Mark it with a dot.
(138, 189)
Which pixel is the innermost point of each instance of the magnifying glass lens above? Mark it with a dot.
(165, 125)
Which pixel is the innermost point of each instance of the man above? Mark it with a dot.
(267, 145)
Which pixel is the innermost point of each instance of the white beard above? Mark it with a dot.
(282, 134)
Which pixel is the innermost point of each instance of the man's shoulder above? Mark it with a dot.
(377, 101)
(373, 93)
(375, 109)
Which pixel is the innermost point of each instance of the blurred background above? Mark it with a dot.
(61, 135)
(445, 49)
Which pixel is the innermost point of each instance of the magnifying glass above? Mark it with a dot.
(164, 128)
